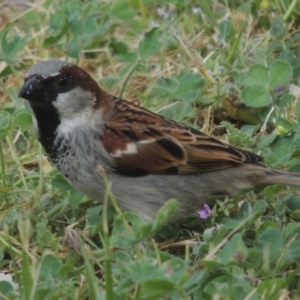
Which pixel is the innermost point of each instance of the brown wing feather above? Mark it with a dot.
(138, 139)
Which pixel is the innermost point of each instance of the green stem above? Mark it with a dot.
(106, 245)
(280, 6)
(3, 173)
(159, 262)
(163, 51)
(5, 243)
(234, 47)
(129, 74)
(23, 158)
(116, 207)
(32, 177)
(16, 158)
(55, 209)
(18, 192)
(9, 94)
(16, 73)
(290, 10)
(204, 5)
(41, 177)
(143, 12)
(136, 292)
(187, 253)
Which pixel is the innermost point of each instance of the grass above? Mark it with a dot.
(229, 68)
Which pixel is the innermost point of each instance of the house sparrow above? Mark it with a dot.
(147, 158)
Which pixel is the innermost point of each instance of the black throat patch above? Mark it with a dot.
(47, 121)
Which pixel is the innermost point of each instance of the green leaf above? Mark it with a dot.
(278, 28)
(285, 126)
(226, 30)
(272, 241)
(269, 139)
(146, 230)
(95, 25)
(271, 287)
(22, 118)
(263, 227)
(259, 82)
(120, 50)
(59, 26)
(259, 207)
(291, 230)
(293, 203)
(234, 250)
(189, 87)
(75, 199)
(121, 9)
(121, 256)
(257, 76)
(254, 258)
(156, 289)
(215, 234)
(58, 23)
(73, 49)
(27, 276)
(61, 183)
(280, 73)
(76, 24)
(5, 288)
(45, 289)
(180, 111)
(125, 235)
(5, 120)
(93, 216)
(282, 147)
(165, 87)
(109, 82)
(256, 97)
(50, 267)
(11, 44)
(165, 213)
(51, 40)
(150, 44)
(295, 168)
(8, 70)
(250, 129)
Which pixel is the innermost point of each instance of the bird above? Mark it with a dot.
(147, 158)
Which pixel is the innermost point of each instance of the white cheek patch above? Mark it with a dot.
(130, 149)
(76, 110)
(73, 102)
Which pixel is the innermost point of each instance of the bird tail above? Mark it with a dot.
(281, 177)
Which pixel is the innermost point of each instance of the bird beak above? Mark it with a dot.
(32, 89)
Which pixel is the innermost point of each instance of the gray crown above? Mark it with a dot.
(47, 68)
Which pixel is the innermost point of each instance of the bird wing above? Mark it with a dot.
(141, 142)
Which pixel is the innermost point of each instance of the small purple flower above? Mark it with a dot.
(205, 212)
(279, 89)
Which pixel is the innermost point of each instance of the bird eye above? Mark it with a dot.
(62, 81)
